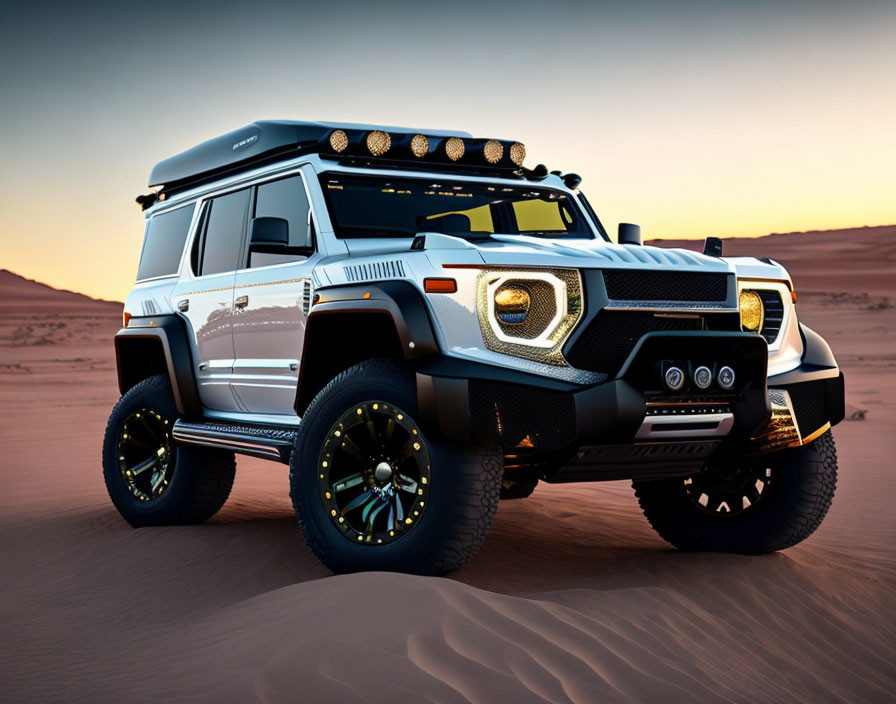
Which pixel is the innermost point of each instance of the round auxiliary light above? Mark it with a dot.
(493, 151)
(751, 310)
(674, 378)
(702, 377)
(512, 304)
(517, 153)
(338, 141)
(726, 378)
(378, 142)
(454, 148)
(419, 145)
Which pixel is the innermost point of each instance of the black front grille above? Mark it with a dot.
(810, 403)
(522, 417)
(641, 285)
(611, 336)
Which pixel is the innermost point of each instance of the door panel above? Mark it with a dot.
(268, 318)
(267, 337)
(206, 302)
(209, 303)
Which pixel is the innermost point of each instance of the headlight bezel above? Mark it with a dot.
(788, 327)
(546, 347)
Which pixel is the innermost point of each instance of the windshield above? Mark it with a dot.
(381, 206)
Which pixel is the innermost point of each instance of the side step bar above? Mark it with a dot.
(270, 442)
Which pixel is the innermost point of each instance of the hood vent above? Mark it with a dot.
(387, 269)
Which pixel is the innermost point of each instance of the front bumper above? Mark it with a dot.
(628, 426)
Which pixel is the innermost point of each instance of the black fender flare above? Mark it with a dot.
(170, 333)
(401, 301)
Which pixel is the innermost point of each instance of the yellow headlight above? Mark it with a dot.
(378, 142)
(419, 145)
(493, 151)
(454, 148)
(512, 304)
(338, 141)
(517, 153)
(751, 311)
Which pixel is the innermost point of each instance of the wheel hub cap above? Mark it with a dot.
(383, 472)
(374, 474)
(144, 454)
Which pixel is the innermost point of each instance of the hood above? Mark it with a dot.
(517, 250)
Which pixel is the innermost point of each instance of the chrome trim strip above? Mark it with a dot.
(652, 426)
(266, 448)
(670, 306)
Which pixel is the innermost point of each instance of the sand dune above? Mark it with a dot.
(572, 599)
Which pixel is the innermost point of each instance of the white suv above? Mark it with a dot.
(418, 325)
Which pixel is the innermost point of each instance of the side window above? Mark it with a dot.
(164, 243)
(285, 199)
(225, 222)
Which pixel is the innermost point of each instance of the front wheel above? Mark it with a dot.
(745, 505)
(372, 492)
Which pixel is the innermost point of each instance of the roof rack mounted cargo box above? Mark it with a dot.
(269, 141)
(238, 150)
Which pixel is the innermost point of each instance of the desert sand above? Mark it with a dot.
(572, 599)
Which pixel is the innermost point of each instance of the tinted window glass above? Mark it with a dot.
(164, 243)
(224, 227)
(362, 206)
(286, 199)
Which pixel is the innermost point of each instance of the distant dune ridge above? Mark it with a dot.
(572, 599)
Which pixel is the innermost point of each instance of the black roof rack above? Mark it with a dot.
(269, 141)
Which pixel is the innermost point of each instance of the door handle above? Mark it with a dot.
(184, 305)
(241, 302)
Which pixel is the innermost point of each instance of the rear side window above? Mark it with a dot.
(225, 222)
(164, 243)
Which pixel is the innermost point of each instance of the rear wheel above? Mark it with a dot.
(150, 479)
(372, 492)
(746, 505)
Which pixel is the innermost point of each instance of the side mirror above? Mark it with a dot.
(712, 247)
(269, 232)
(629, 233)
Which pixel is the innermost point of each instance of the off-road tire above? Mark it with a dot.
(201, 480)
(464, 492)
(517, 488)
(798, 497)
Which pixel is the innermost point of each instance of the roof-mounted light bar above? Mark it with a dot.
(417, 146)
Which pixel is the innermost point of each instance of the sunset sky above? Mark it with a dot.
(692, 119)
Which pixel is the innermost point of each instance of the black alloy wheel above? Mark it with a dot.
(146, 454)
(729, 488)
(374, 477)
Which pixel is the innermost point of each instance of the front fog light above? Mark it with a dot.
(751, 311)
(702, 377)
(726, 378)
(512, 304)
(674, 378)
